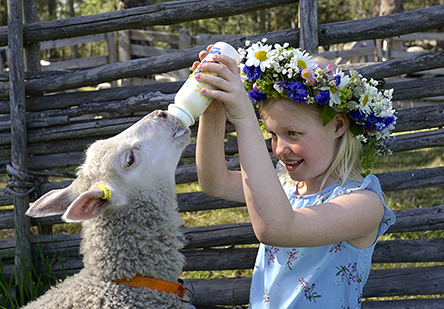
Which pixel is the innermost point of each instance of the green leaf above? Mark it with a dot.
(356, 129)
(327, 114)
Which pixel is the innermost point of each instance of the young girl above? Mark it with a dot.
(316, 217)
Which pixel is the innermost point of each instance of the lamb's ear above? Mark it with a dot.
(89, 205)
(54, 202)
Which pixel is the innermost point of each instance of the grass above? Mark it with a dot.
(17, 289)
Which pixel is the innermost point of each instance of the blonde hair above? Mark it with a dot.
(346, 164)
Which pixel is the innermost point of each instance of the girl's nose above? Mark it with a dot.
(281, 147)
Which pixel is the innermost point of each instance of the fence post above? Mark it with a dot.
(32, 51)
(112, 51)
(18, 137)
(308, 24)
(124, 51)
(184, 43)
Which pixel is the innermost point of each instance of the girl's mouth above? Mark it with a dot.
(292, 165)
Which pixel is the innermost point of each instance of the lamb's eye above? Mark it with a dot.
(129, 159)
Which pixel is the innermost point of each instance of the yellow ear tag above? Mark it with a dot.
(106, 191)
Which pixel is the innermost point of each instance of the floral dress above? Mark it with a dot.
(331, 276)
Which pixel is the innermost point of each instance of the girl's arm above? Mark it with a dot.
(214, 177)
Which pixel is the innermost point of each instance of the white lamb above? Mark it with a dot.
(125, 196)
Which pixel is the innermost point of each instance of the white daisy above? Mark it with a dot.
(335, 93)
(303, 60)
(361, 138)
(258, 56)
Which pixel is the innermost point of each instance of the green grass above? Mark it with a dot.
(20, 288)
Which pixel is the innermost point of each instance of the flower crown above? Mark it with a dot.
(285, 72)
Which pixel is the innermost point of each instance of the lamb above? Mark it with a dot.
(124, 195)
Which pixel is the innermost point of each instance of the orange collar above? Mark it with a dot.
(156, 284)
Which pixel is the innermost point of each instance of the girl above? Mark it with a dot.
(316, 217)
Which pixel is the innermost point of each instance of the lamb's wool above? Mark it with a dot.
(86, 291)
(139, 233)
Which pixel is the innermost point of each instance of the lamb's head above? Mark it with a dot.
(141, 158)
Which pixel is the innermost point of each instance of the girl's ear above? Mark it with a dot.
(341, 124)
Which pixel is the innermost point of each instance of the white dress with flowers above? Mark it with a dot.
(331, 276)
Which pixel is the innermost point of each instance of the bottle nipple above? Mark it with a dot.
(182, 113)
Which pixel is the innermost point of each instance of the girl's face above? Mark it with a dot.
(301, 142)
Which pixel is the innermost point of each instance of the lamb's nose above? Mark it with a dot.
(162, 114)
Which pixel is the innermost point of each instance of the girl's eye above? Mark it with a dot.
(293, 133)
(130, 159)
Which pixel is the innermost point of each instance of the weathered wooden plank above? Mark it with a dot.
(409, 251)
(418, 219)
(167, 13)
(405, 281)
(397, 67)
(424, 117)
(379, 27)
(77, 63)
(421, 36)
(149, 51)
(54, 147)
(416, 89)
(34, 123)
(150, 36)
(208, 38)
(219, 235)
(428, 303)
(412, 141)
(98, 127)
(67, 100)
(413, 179)
(72, 41)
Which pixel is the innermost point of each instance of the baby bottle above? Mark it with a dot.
(189, 103)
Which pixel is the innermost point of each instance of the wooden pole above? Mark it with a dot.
(18, 136)
(184, 43)
(125, 52)
(308, 21)
(32, 50)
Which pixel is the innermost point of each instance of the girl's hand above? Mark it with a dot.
(216, 108)
(230, 91)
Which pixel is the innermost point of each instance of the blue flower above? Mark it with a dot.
(358, 116)
(252, 72)
(389, 120)
(256, 96)
(337, 80)
(323, 97)
(297, 92)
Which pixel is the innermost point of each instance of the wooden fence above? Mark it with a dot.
(52, 133)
